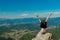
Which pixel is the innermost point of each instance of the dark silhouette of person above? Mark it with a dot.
(43, 23)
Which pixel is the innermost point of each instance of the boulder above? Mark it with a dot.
(46, 36)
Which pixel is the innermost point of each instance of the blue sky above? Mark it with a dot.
(27, 8)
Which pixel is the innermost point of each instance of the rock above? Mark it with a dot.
(46, 36)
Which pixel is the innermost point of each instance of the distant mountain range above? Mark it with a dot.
(26, 20)
(27, 23)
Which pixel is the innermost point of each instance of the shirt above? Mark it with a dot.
(43, 25)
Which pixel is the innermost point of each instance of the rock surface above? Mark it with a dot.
(46, 36)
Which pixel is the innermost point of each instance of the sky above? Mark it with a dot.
(27, 8)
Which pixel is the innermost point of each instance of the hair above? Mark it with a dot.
(42, 21)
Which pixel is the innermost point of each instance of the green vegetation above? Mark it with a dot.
(28, 35)
(55, 33)
(25, 32)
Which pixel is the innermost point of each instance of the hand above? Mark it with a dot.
(50, 14)
(36, 15)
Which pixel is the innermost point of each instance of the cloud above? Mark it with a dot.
(45, 14)
(56, 13)
(24, 15)
(12, 15)
(27, 15)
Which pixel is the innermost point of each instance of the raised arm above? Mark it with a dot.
(48, 17)
(38, 17)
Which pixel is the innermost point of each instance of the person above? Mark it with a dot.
(43, 23)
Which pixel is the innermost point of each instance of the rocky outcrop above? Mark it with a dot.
(46, 36)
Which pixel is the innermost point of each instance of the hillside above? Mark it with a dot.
(19, 29)
(27, 34)
(55, 34)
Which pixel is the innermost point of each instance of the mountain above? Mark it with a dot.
(21, 20)
(27, 23)
(26, 20)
